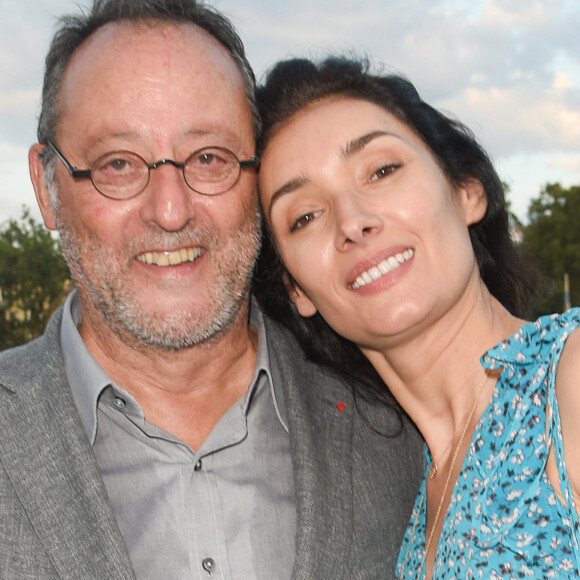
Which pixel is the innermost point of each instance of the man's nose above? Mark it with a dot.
(168, 201)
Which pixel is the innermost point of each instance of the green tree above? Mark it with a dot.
(34, 279)
(552, 241)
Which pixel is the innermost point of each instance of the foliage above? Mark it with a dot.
(552, 241)
(34, 279)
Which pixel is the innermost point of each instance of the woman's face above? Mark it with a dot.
(366, 222)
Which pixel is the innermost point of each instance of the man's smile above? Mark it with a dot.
(174, 258)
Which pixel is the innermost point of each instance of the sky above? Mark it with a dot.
(509, 69)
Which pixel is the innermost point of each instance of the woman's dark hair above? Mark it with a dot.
(295, 84)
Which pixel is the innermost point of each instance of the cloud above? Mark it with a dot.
(509, 121)
(18, 110)
(16, 189)
(571, 164)
(517, 12)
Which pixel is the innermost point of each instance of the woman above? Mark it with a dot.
(391, 225)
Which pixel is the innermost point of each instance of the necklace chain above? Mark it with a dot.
(434, 463)
(467, 421)
(445, 487)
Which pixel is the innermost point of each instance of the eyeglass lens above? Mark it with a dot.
(123, 174)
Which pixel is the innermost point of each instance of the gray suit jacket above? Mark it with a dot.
(354, 489)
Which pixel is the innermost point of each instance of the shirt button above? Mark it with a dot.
(120, 403)
(208, 565)
(198, 466)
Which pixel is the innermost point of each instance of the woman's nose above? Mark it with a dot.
(356, 221)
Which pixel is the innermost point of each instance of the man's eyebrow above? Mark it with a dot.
(356, 145)
(289, 187)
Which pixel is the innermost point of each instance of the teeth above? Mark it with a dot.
(170, 258)
(384, 267)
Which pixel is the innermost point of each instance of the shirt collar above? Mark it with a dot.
(87, 378)
(85, 375)
(265, 364)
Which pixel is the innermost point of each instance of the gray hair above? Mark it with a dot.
(75, 29)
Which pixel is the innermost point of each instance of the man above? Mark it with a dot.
(162, 428)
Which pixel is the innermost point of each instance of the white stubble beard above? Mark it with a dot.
(105, 290)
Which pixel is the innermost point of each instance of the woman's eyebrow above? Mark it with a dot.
(359, 143)
(351, 149)
(288, 187)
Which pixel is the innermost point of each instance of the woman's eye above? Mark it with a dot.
(384, 171)
(304, 220)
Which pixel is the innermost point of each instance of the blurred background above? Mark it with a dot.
(509, 69)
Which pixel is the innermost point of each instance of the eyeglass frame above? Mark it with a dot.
(75, 173)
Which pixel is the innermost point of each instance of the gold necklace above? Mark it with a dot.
(434, 467)
(467, 418)
(445, 487)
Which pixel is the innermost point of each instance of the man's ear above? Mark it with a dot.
(303, 304)
(473, 200)
(37, 176)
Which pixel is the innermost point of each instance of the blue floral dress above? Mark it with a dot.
(504, 519)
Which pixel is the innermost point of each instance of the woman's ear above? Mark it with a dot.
(473, 200)
(36, 169)
(303, 304)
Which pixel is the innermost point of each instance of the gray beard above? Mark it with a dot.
(118, 307)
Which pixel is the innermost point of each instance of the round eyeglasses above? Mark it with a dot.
(123, 174)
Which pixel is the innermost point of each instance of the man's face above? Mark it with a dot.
(169, 267)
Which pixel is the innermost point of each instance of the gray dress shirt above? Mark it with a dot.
(224, 511)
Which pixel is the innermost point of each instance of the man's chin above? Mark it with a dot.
(172, 329)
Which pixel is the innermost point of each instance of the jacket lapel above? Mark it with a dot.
(51, 465)
(321, 439)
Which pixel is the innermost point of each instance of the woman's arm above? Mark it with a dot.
(568, 394)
